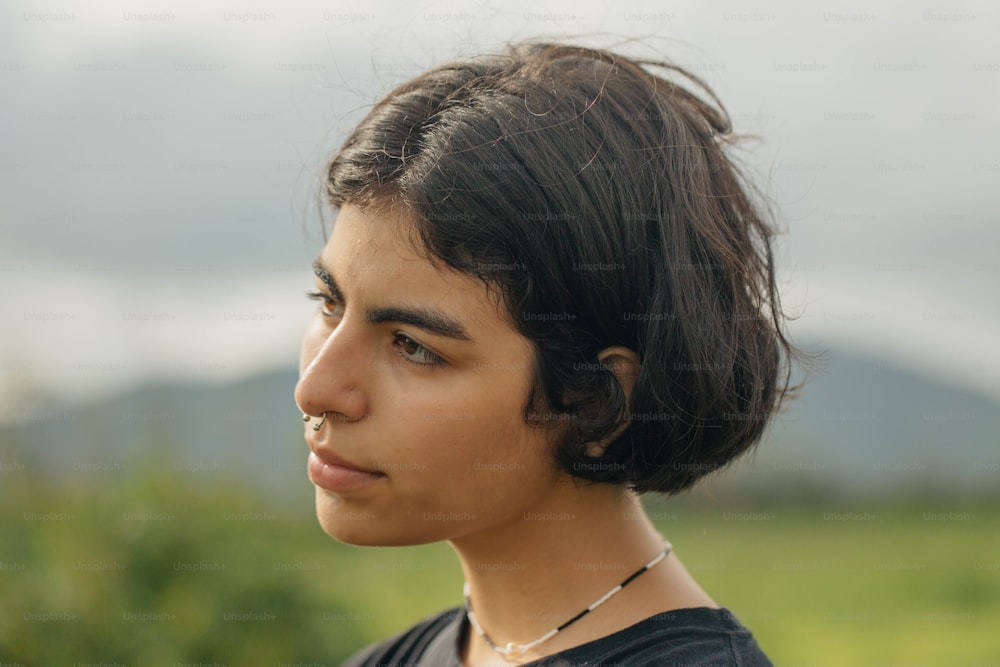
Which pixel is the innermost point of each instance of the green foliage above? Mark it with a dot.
(147, 570)
(834, 586)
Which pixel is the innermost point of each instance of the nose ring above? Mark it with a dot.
(318, 425)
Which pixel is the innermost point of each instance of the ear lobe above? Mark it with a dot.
(625, 365)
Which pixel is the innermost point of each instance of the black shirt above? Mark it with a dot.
(699, 636)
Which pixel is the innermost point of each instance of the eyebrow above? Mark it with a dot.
(429, 320)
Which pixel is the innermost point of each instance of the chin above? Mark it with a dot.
(365, 528)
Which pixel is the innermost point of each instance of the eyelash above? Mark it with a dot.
(325, 301)
(400, 339)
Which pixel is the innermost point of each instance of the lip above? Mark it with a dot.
(331, 472)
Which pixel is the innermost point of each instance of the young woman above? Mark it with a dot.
(546, 292)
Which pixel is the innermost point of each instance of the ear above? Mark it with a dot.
(625, 365)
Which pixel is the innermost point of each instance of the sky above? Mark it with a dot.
(160, 167)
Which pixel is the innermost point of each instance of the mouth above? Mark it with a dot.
(332, 473)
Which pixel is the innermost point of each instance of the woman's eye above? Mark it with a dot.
(413, 351)
(329, 307)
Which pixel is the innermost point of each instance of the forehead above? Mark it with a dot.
(367, 242)
(376, 260)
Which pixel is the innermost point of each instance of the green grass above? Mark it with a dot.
(883, 587)
(224, 576)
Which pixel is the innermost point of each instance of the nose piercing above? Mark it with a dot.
(318, 425)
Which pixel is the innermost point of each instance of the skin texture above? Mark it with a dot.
(458, 461)
(439, 433)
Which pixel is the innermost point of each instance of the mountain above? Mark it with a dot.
(865, 429)
(860, 430)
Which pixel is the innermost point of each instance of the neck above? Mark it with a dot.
(534, 574)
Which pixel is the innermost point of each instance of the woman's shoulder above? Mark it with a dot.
(694, 636)
(411, 647)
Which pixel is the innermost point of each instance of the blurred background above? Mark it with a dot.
(160, 167)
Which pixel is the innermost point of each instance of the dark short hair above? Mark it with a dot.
(594, 198)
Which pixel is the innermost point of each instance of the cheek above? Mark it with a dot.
(474, 447)
(458, 420)
(459, 454)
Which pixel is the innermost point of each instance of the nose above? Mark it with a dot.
(332, 378)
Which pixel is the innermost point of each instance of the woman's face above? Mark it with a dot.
(424, 383)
